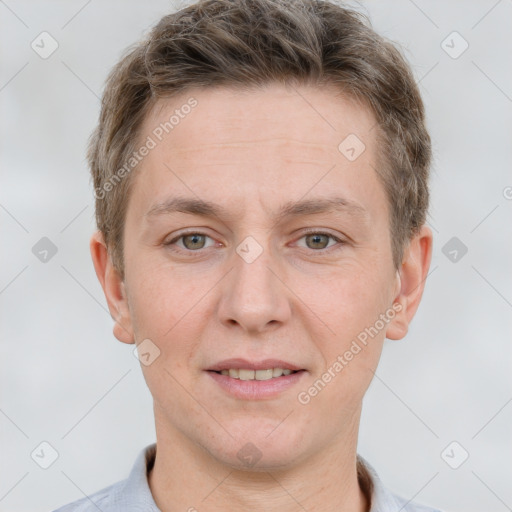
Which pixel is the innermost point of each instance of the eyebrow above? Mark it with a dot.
(314, 206)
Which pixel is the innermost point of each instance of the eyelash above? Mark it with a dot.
(341, 242)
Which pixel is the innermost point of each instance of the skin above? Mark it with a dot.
(303, 300)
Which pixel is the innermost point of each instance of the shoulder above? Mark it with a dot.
(130, 494)
(106, 500)
(410, 506)
(383, 499)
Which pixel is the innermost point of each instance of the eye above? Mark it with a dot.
(191, 242)
(319, 241)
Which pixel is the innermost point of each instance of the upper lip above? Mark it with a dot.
(238, 363)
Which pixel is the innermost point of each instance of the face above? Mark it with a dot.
(290, 260)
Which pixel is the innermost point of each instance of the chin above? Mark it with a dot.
(256, 450)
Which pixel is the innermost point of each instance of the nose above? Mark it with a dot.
(254, 295)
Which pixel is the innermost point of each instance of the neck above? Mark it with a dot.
(186, 477)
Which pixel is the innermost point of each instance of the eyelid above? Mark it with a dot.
(319, 231)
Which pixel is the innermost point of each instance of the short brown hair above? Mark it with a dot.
(250, 43)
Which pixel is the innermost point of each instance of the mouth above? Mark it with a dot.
(250, 380)
(249, 374)
(245, 369)
(255, 380)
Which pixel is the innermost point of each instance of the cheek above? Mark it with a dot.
(167, 309)
(163, 299)
(171, 318)
(351, 305)
(350, 299)
(352, 309)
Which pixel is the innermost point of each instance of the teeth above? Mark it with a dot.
(263, 374)
(244, 374)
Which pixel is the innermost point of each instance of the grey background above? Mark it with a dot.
(67, 381)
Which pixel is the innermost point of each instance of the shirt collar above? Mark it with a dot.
(382, 499)
(136, 494)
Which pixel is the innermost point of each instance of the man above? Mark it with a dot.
(261, 182)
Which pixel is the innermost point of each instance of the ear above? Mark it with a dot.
(113, 288)
(411, 282)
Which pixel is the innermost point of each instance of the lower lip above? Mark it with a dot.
(256, 389)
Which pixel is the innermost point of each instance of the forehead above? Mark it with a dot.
(220, 143)
(315, 118)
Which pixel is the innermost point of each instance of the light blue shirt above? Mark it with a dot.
(133, 494)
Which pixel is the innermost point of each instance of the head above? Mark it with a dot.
(261, 177)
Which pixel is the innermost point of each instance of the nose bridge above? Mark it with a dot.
(253, 296)
(252, 265)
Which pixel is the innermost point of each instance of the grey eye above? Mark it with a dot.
(194, 241)
(317, 241)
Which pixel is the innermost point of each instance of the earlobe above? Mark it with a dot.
(411, 282)
(113, 288)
